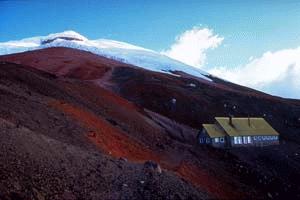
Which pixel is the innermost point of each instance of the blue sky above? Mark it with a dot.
(249, 28)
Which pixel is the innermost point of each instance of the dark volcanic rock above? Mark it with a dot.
(68, 116)
(46, 154)
(43, 42)
(152, 167)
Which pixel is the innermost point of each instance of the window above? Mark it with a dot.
(249, 139)
(222, 140)
(235, 140)
(207, 140)
(245, 141)
(240, 140)
(216, 140)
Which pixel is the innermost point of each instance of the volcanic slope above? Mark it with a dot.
(55, 145)
(69, 116)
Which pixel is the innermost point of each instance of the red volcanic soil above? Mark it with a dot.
(110, 139)
(200, 104)
(197, 105)
(117, 144)
(66, 62)
(203, 179)
(56, 144)
(118, 110)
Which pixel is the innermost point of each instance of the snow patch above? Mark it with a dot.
(192, 85)
(116, 50)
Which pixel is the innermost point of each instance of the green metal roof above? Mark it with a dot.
(246, 126)
(213, 130)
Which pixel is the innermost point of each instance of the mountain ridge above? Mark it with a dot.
(121, 51)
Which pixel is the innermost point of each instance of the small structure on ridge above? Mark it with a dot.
(237, 132)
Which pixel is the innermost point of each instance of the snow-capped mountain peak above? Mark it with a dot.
(66, 35)
(121, 51)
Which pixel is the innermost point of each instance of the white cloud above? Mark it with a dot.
(190, 47)
(277, 73)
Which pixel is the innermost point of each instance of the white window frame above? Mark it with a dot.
(249, 139)
(235, 140)
(217, 140)
(240, 140)
(245, 141)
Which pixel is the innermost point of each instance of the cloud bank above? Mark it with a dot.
(277, 73)
(191, 46)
